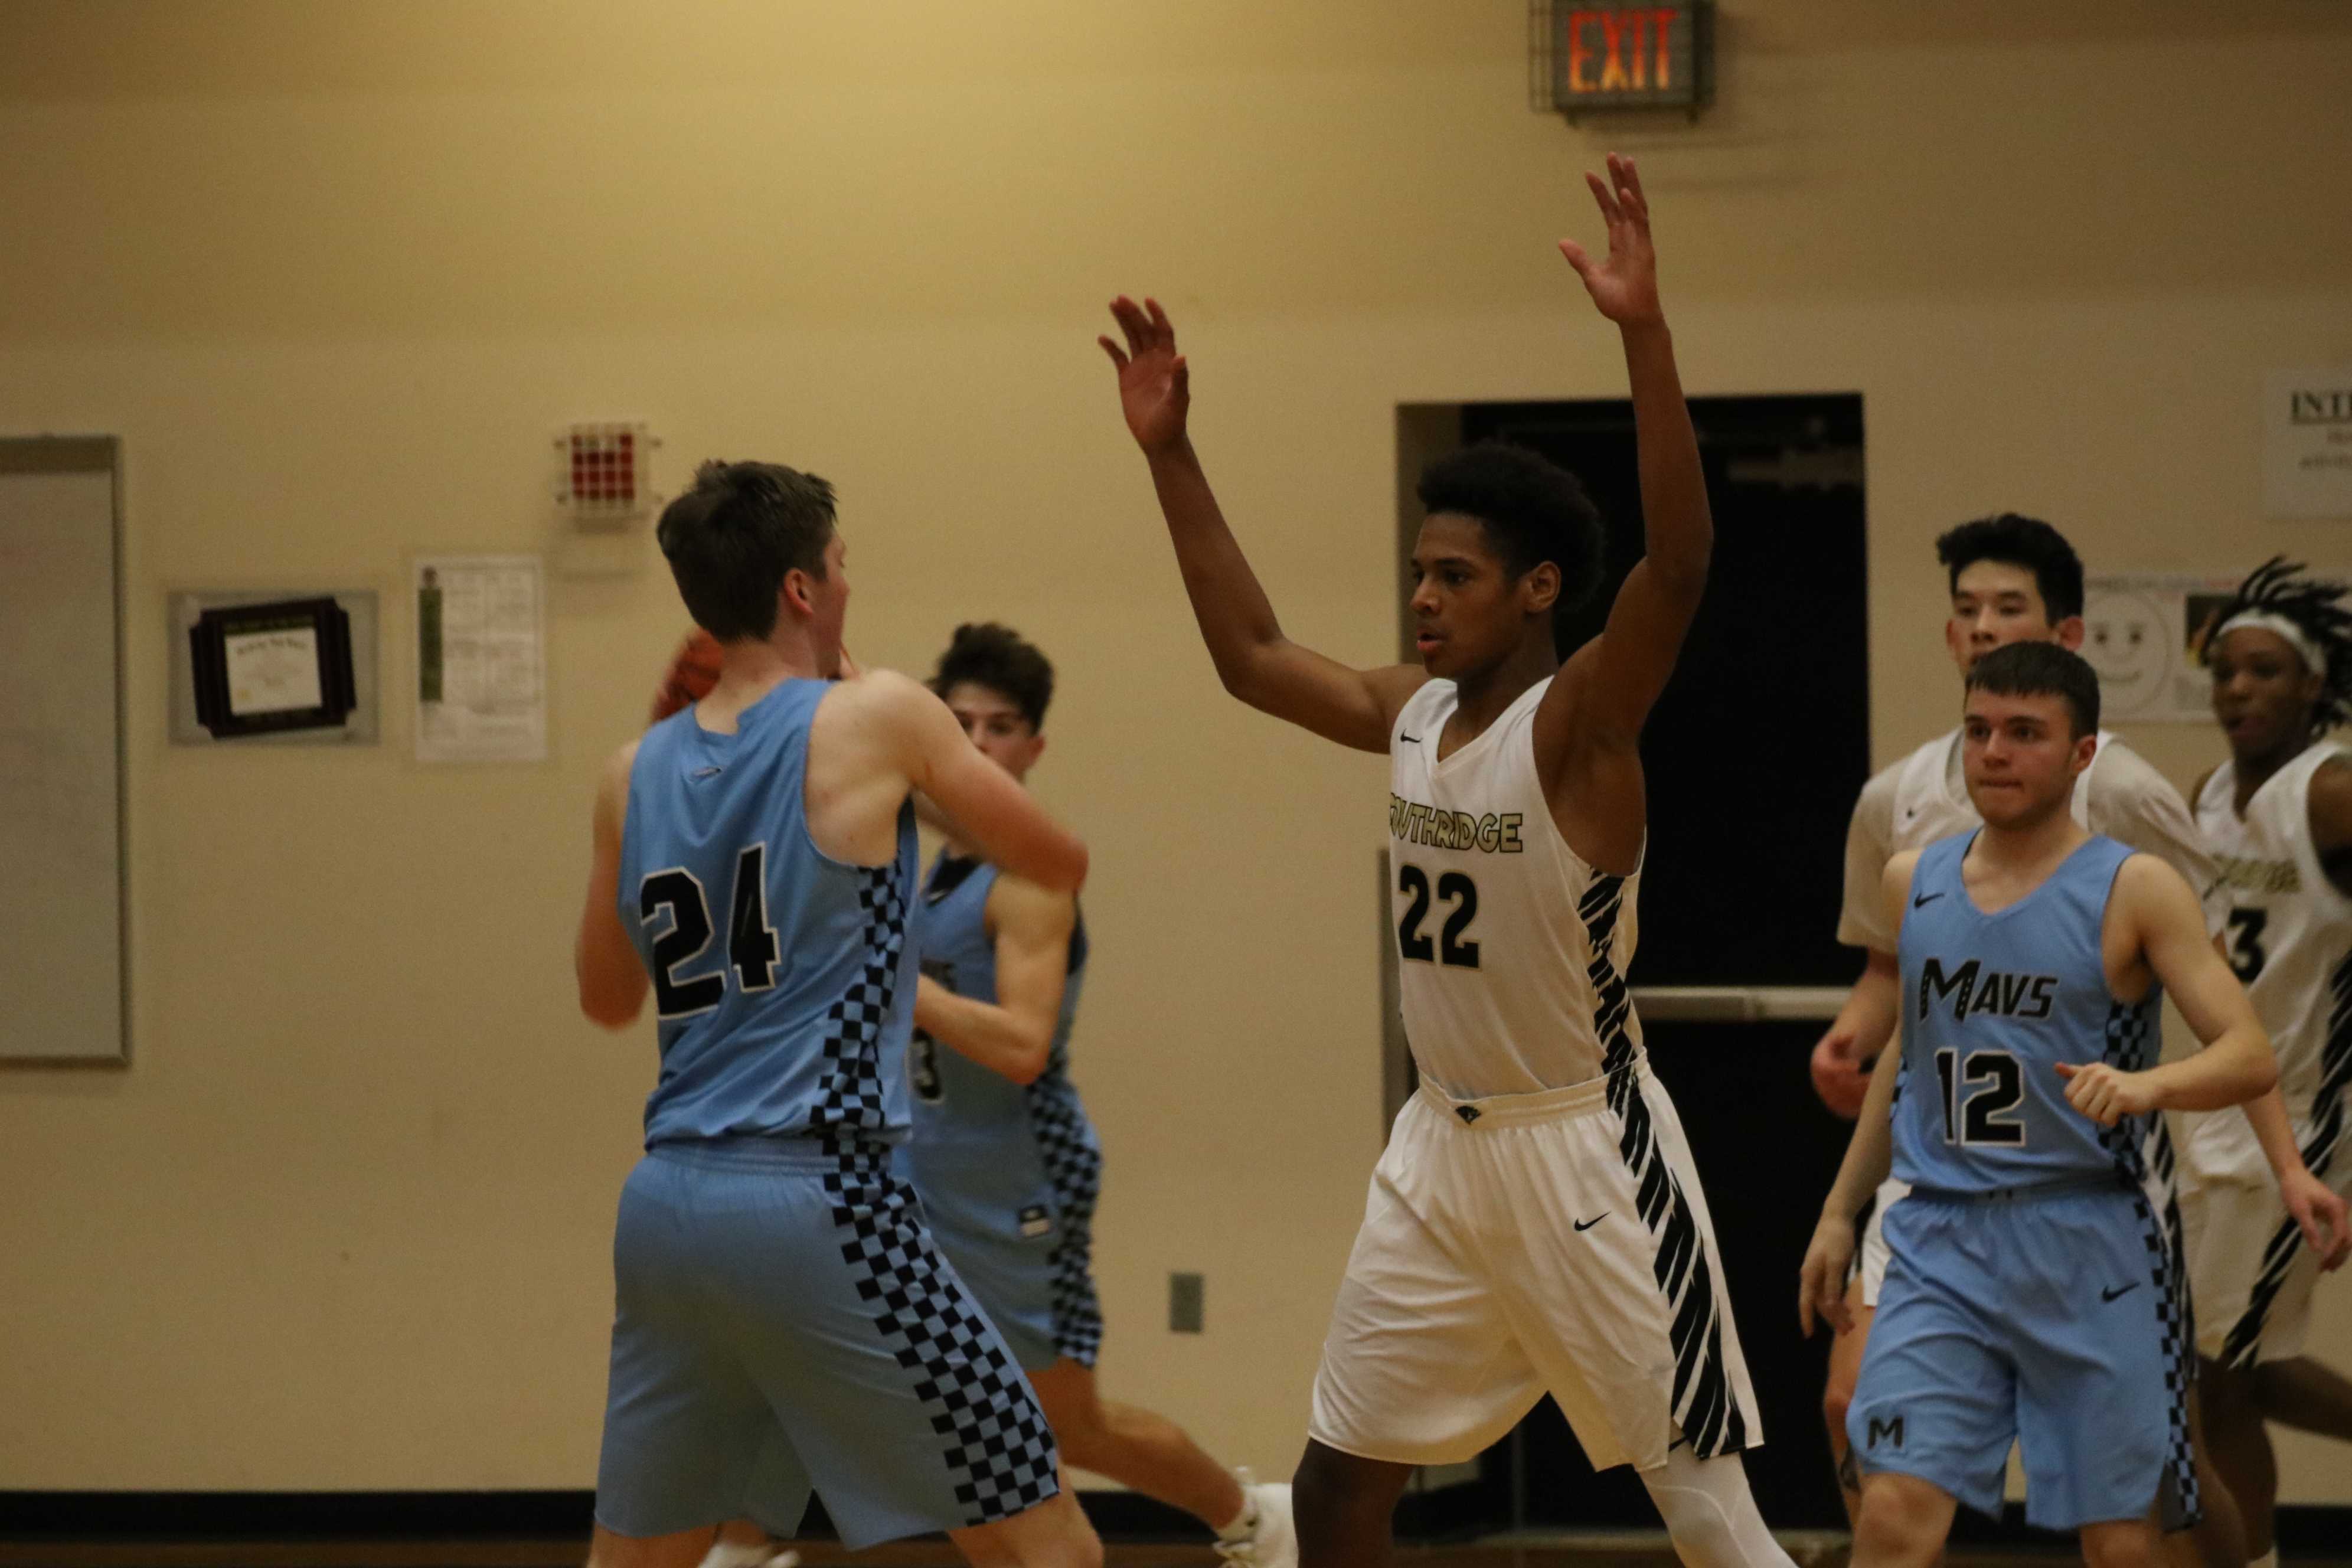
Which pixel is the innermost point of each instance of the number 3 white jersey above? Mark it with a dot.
(2288, 929)
(1512, 951)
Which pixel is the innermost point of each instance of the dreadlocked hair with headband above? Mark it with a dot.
(2276, 598)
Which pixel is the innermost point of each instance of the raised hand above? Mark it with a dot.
(1154, 386)
(1624, 287)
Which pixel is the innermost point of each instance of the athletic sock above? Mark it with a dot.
(2267, 1560)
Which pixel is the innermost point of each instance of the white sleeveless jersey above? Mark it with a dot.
(2287, 928)
(1512, 951)
(1927, 806)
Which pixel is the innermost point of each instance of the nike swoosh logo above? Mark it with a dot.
(2119, 1293)
(1924, 898)
(1415, 739)
(706, 773)
(1584, 1225)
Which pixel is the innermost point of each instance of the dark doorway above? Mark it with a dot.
(1754, 757)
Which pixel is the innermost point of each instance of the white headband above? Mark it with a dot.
(2270, 621)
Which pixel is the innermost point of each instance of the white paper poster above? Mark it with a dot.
(2146, 636)
(2307, 443)
(481, 657)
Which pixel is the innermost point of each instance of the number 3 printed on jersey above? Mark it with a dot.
(1453, 947)
(751, 947)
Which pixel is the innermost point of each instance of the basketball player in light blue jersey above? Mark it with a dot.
(2034, 1291)
(783, 1316)
(1003, 1156)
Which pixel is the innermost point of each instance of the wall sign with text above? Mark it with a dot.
(2308, 442)
(1609, 57)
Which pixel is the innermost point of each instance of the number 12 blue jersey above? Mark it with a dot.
(1991, 1005)
(784, 979)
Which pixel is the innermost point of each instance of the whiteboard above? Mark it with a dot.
(62, 966)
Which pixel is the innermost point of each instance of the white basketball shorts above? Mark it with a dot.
(1870, 1255)
(2251, 1277)
(1526, 1244)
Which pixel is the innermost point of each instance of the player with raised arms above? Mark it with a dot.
(783, 1316)
(2264, 1188)
(2033, 1291)
(1537, 1222)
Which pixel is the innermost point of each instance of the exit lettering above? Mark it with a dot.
(1631, 47)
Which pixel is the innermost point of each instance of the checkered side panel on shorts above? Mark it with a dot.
(1705, 1405)
(2142, 1150)
(1073, 1166)
(2322, 1141)
(850, 1104)
(993, 1439)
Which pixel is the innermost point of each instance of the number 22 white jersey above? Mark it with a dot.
(1512, 951)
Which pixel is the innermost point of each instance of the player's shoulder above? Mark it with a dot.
(2117, 764)
(883, 692)
(1410, 696)
(885, 707)
(2121, 777)
(612, 780)
(1882, 789)
(620, 763)
(2329, 794)
(2151, 881)
(1901, 867)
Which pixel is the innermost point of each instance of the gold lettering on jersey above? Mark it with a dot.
(1497, 833)
(2256, 876)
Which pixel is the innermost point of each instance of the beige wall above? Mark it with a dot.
(336, 273)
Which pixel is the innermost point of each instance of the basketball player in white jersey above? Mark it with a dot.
(2012, 579)
(1536, 1224)
(2262, 1222)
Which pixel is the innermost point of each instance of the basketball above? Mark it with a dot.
(693, 671)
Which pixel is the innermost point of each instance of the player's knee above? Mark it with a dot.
(1894, 1527)
(2122, 1546)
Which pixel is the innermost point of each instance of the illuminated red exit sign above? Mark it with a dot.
(1631, 57)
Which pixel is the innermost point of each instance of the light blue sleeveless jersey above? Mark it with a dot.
(782, 979)
(1991, 1005)
(990, 1156)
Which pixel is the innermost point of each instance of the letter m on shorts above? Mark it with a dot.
(1890, 1431)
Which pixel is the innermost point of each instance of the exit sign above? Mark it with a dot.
(1631, 57)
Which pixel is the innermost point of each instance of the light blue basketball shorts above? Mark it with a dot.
(2058, 1320)
(783, 1321)
(1039, 1290)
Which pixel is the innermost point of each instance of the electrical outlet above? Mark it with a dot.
(1186, 1303)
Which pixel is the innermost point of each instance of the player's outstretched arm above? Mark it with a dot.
(1013, 1036)
(1624, 669)
(984, 807)
(1869, 1154)
(2160, 918)
(611, 977)
(1257, 664)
